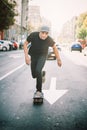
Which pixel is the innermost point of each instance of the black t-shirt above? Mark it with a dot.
(39, 46)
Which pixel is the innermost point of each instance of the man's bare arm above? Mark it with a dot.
(57, 55)
(25, 48)
(27, 58)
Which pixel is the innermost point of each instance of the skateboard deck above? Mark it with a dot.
(37, 99)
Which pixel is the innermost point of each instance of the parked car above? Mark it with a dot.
(5, 45)
(15, 45)
(76, 47)
(85, 51)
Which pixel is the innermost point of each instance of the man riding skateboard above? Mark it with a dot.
(40, 42)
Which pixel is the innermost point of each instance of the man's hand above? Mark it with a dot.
(59, 62)
(27, 59)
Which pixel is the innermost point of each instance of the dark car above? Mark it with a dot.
(76, 47)
(51, 54)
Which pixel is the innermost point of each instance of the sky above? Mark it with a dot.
(60, 11)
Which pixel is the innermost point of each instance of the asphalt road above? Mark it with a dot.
(66, 87)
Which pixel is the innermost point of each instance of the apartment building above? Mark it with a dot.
(28, 20)
(34, 20)
(19, 28)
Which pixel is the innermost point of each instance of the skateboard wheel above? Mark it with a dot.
(37, 100)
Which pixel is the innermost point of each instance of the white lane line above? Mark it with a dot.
(1, 78)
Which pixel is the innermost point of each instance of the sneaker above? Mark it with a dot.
(43, 76)
(38, 94)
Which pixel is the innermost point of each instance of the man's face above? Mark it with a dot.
(43, 35)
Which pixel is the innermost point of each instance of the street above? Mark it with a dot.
(65, 93)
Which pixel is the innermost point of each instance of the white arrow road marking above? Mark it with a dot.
(52, 95)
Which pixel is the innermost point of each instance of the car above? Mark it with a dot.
(58, 47)
(76, 47)
(5, 45)
(15, 45)
(51, 54)
(85, 51)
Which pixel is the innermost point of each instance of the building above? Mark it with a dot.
(34, 20)
(68, 32)
(28, 20)
(18, 30)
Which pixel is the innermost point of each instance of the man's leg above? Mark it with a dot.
(43, 76)
(40, 64)
(33, 66)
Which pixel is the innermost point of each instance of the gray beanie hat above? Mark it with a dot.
(44, 29)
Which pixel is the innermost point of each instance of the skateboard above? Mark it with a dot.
(38, 99)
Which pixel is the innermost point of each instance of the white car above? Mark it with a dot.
(85, 51)
(5, 45)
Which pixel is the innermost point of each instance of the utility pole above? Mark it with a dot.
(27, 15)
(24, 18)
(21, 22)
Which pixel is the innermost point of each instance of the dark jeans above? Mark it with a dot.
(37, 64)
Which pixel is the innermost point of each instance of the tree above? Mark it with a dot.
(85, 22)
(7, 14)
(82, 26)
(81, 19)
(82, 33)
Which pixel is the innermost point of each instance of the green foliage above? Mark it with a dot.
(81, 19)
(82, 26)
(7, 13)
(82, 33)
